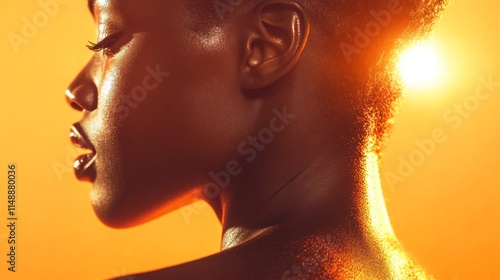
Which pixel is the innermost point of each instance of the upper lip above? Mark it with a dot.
(79, 138)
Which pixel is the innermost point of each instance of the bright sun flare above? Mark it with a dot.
(419, 66)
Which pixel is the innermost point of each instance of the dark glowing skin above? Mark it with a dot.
(164, 106)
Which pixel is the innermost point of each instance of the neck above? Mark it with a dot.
(340, 195)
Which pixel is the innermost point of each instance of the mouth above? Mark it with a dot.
(84, 165)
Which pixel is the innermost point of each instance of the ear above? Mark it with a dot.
(278, 35)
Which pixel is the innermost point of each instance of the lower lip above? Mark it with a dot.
(84, 167)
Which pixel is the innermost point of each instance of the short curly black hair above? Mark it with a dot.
(367, 78)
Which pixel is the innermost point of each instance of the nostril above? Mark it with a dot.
(70, 98)
(81, 99)
(75, 106)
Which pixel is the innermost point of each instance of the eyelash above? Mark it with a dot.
(104, 44)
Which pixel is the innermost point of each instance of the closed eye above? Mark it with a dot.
(105, 43)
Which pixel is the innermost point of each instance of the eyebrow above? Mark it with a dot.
(91, 4)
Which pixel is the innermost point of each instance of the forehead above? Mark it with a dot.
(154, 16)
(134, 7)
(100, 6)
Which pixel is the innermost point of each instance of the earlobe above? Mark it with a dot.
(277, 37)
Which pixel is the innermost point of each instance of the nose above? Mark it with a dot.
(82, 92)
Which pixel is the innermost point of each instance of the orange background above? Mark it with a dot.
(446, 213)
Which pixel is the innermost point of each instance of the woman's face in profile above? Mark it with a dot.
(157, 108)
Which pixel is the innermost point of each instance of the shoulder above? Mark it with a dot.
(286, 257)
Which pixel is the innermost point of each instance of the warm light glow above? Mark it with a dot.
(419, 66)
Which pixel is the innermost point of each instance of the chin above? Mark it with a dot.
(120, 210)
(111, 212)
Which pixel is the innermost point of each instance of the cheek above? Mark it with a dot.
(186, 125)
(179, 110)
(211, 114)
